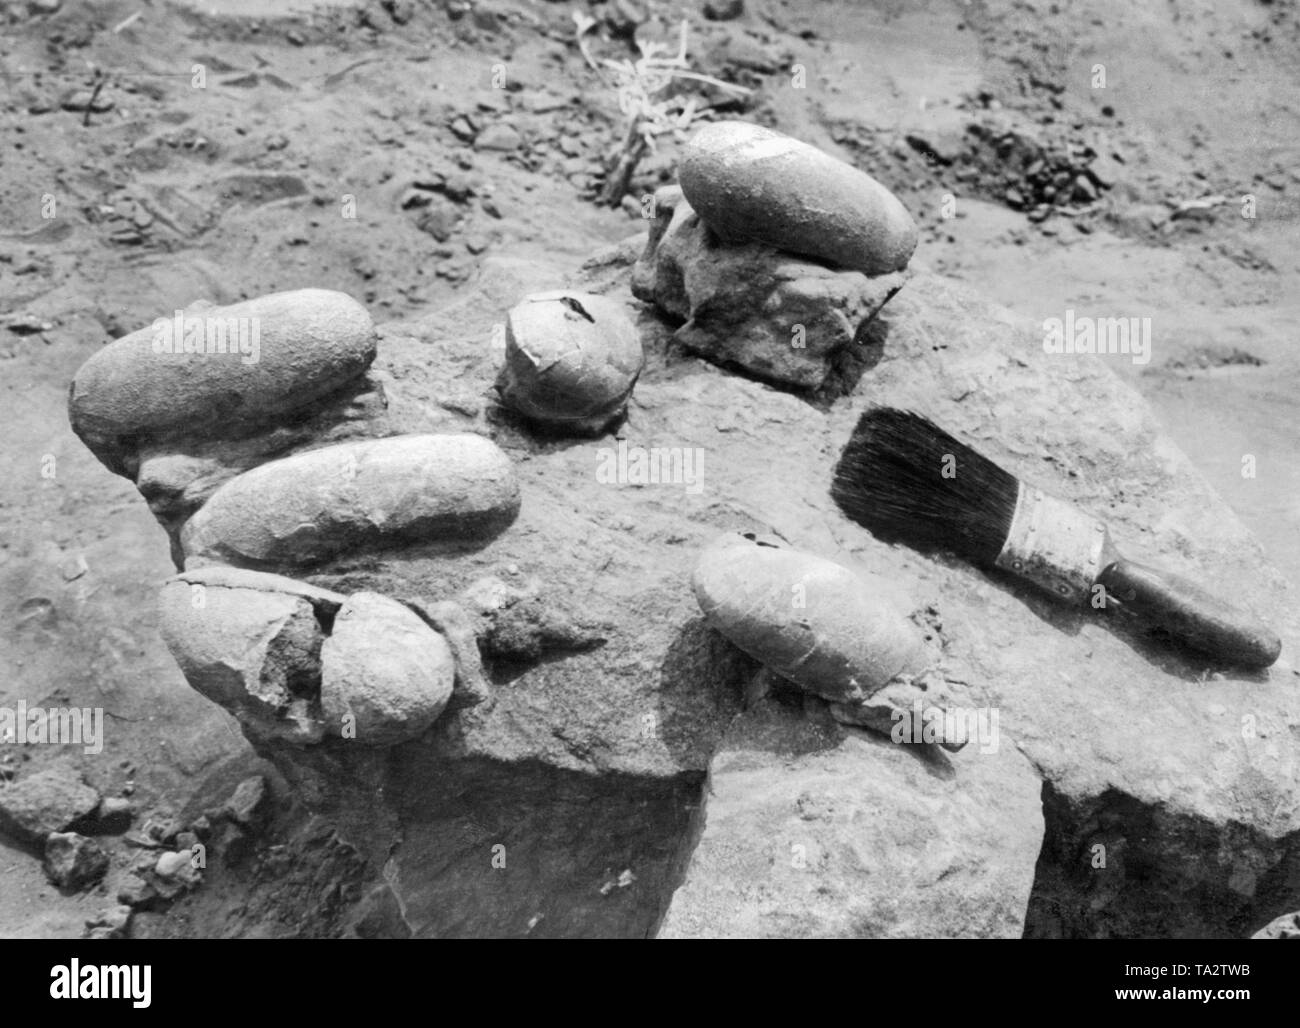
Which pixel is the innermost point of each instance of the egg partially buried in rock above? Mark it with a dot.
(571, 360)
(810, 620)
(297, 663)
(219, 367)
(748, 182)
(251, 642)
(385, 674)
(356, 496)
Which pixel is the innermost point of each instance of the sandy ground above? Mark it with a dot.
(170, 194)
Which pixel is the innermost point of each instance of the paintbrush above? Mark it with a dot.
(907, 480)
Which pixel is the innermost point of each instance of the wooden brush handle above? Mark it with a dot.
(1199, 618)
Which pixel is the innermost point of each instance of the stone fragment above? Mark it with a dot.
(379, 916)
(500, 137)
(158, 830)
(73, 862)
(248, 803)
(175, 873)
(1285, 927)
(49, 801)
(454, 624)
(1106, 171)
(80, 100)
(440, 219)
(623, 17)
(169, 864)
(723, 10)
(253, 647)
(27, 324)
(135, 891)
(114, 814)
(734, 54)
(814, 832)
(109, 923)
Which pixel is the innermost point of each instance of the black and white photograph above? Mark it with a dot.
(643, 469)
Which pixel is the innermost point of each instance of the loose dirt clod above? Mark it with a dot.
(74, 862)
(49, 801)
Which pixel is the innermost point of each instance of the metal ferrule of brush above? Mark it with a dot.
(1053, 544)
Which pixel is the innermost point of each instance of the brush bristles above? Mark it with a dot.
(907, 480)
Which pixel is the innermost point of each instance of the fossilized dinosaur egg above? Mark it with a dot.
(385, 669)
(749, 182)
(298, 663)
(241, 363)
(311, 506)
(810, 620)
(250, 642)
(571, 360)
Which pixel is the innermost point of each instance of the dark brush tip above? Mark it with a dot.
(906, 480)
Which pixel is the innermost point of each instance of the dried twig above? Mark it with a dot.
(100, 79)
(638, 85)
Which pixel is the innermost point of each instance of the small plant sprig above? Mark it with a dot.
(646, 113)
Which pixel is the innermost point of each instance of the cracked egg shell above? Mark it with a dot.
(572, 360)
